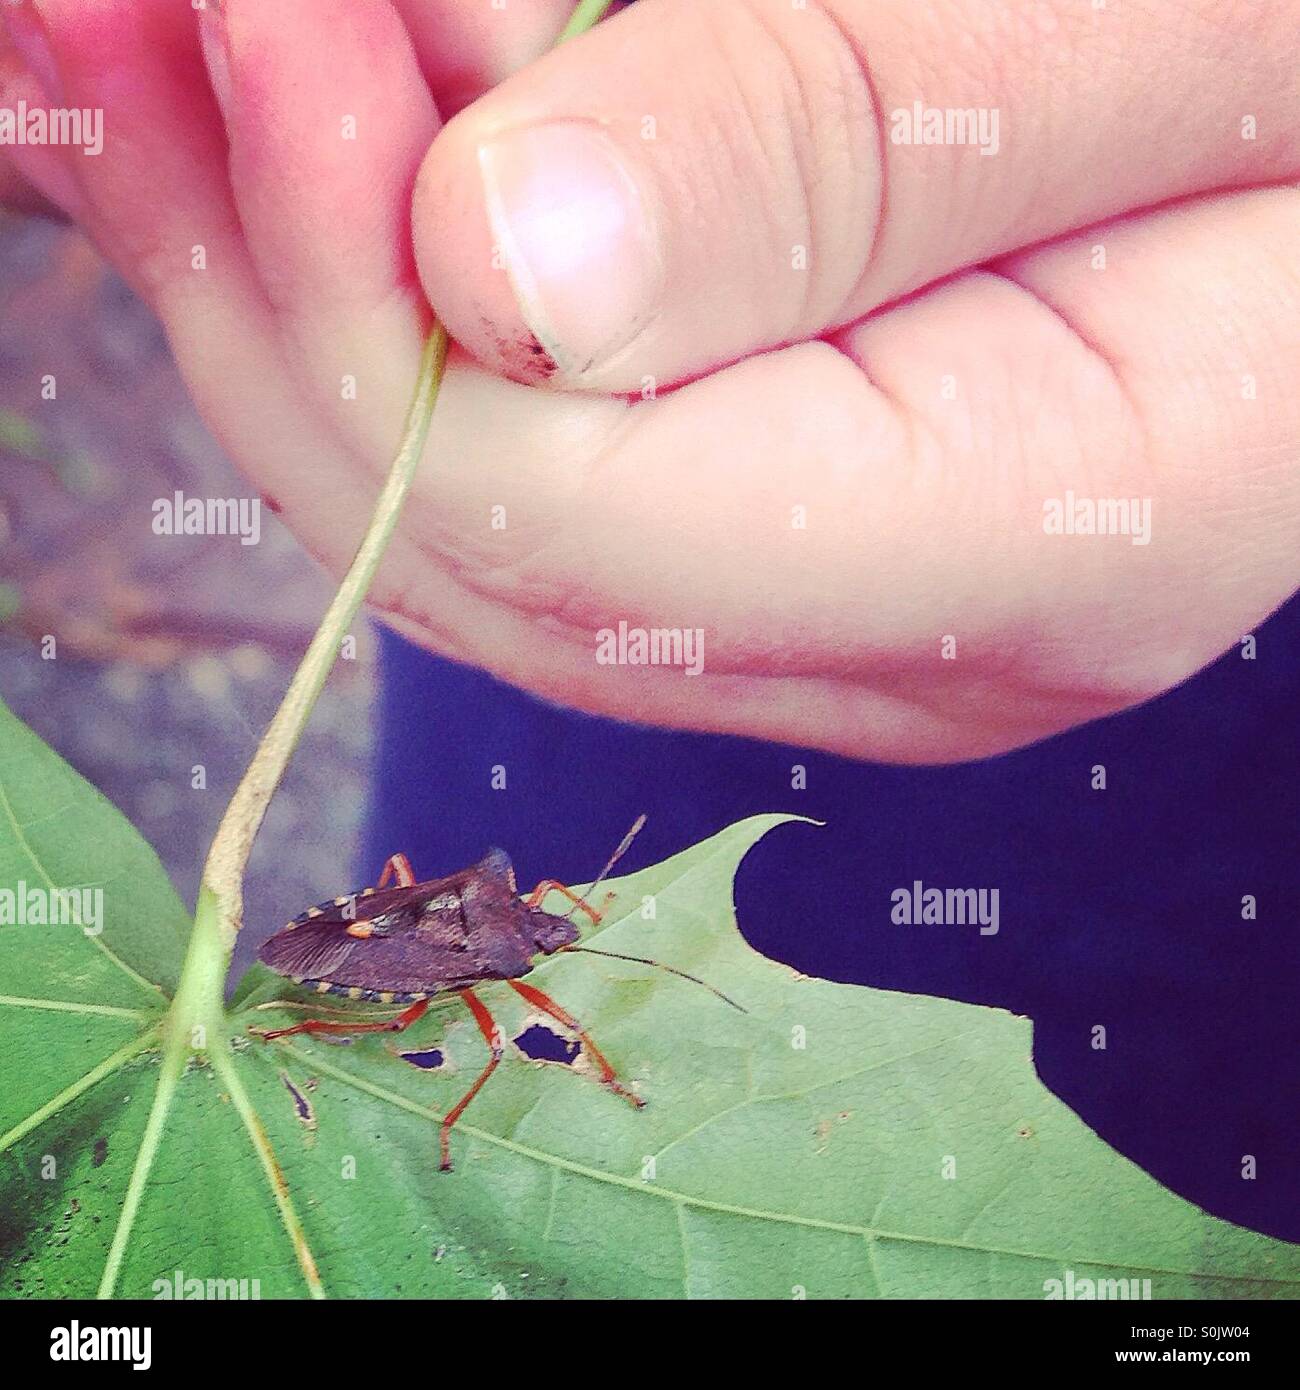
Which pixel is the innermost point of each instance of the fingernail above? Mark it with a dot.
(27, 34)
(576, 237)
(216, 55)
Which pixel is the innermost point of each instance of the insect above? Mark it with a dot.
(410, 943)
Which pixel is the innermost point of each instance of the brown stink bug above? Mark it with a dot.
(409, 943)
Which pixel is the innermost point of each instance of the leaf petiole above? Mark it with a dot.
(197, 1012)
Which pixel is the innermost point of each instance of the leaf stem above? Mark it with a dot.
(223, 874)
(219, 912)
(196, 1017)
(586, 15)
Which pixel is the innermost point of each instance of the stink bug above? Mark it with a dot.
(410, 943)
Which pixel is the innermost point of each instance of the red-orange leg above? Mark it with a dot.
(488, 1027)
(553, 885)
(608, 1076)
(320, 1025)
(398, 867)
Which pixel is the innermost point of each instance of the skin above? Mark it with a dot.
(951, 356)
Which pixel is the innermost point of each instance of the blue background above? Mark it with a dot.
(1120, 907)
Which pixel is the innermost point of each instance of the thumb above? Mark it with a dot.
(694, 181)
(622, 207)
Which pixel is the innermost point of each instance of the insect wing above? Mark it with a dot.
(313, 951)
(422, 942)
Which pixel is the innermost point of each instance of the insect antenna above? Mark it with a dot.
(659, 965)
(613, 859)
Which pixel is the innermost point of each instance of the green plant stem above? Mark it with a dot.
(197, 1012)
(586, 15)
(196, 1017)
(223, 874)
(219, 912)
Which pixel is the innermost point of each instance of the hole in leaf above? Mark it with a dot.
(429, 1060)
(544, 1044)
(301, 1105)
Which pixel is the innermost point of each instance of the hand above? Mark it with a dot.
(911, 348)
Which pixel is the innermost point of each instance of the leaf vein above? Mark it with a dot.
(755, 1213)
(71, 1006)
(804, 1091)
(54, 887)
(83, 1083)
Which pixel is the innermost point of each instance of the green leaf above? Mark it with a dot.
(798, 1146)
(57, 831)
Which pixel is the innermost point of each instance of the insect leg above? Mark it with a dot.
(319, 1025)
(548, 1005)
(398, 866)
(552, 885)
(488, 1027)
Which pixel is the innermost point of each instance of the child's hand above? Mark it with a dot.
(711, 191)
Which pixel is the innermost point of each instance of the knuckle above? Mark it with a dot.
(828, 151)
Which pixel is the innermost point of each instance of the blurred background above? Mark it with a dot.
(169, 649)
(1120, 908)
